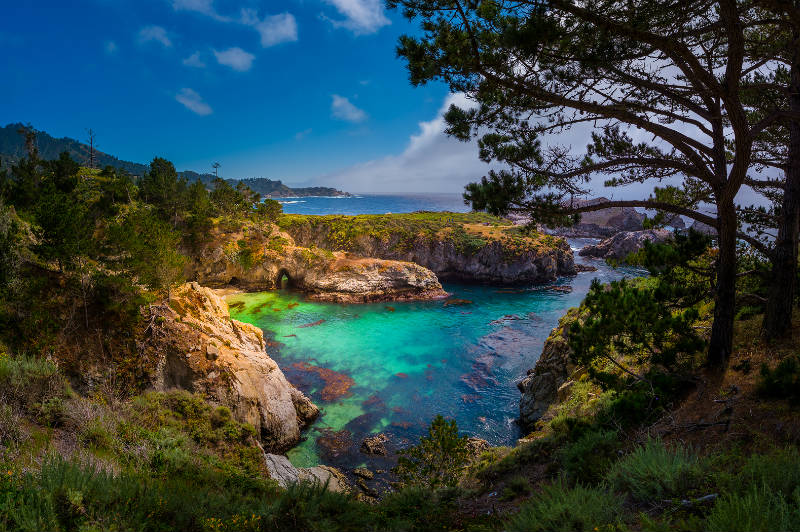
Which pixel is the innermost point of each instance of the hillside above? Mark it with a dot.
(12, 149)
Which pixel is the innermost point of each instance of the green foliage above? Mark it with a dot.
(652, 472)
(780, 470)
(559, 507)
(269, 210)
(162, 187)
(11, 248)
(636, 335)
(516, 486)
(151, 248)
(758, 509)
(783, 382)
(439, 458)
(31, 384)
(587, 458)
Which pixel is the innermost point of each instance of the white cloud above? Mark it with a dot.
(273, 29)
(300, 135)
(236, 58)
(110, 47)
(193, 101)
(154, 33)
(360, 16)
(342, 109)
(206, 7)
(194, 61)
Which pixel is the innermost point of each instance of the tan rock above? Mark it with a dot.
(236, 371)
(285, 474)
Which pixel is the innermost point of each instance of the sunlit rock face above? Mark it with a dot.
(263, 258)
(198, 347)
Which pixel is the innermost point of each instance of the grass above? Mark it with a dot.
(653, 472)
(559, 507)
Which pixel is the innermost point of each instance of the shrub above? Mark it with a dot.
(588, 458)
(559, 507)
(783, 382)
(28, 383)
(516, 486)
(438, 460)
(759, 509)
(780, 470)
(653, 472)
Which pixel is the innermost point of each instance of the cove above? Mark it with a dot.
(392, 367)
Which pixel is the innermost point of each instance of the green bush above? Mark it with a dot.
(559, 507)
(783, 382)
(516, 486)
(588, 458)
(28, 383)
(652, 472)
(757, 510)
(438, 460)
(780, 470)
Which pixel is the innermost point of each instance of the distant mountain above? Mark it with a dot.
(12, 149)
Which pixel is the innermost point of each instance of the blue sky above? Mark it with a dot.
(307, 91)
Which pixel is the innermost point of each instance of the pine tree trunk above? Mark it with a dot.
(721, 344)
(778, 316)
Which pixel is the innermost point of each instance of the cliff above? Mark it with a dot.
(261, 257)
(552, 371)
(195, 345)
(470, 247)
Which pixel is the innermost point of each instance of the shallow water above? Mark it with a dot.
(392, 367)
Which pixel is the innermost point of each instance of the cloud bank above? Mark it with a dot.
(431, 162)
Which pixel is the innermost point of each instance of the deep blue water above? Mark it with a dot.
(374, 204)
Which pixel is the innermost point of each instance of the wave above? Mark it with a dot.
(290, 202)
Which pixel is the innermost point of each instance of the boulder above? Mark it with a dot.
(619, 246)
(195, 345)
(285, 474)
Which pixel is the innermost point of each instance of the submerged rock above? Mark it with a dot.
(196, 346)
(337, 385)
(621, 245)
(375, 444)
(285, 474)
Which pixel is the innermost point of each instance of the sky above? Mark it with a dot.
(306, 91)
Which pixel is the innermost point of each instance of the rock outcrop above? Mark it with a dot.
(602, 223)
(260, 257)
(553, 369)
(195, 345)
(619, 246)
(285, 474)
(470, 252)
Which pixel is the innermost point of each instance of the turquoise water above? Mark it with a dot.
(411, 361)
